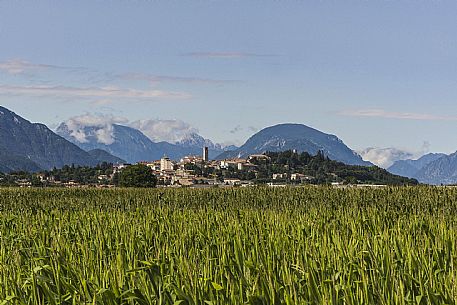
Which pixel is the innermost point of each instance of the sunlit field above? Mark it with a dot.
(315, 245)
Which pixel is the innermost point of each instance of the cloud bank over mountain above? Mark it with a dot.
(136, 141)
(103, 124)
(157, 130)
(164, 130)
(385, 157)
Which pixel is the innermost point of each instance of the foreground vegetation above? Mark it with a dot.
(314, 245)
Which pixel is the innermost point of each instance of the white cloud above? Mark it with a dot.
(227, 55)
(19, 66)
(240, 128)
(91, 92)
(236, 129)
(155, 79)
(103, 125)
(228, 143)
(380, 113)
(385, 157)
(164, 130)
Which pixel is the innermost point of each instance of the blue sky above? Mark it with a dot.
(376, 73)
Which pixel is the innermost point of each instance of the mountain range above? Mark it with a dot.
(440, 171)
(434, 168)
(411, 167)
(133, 146)
(32, 146)
(296, 137)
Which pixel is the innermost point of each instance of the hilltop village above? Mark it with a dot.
(272, 168)
(200, 171)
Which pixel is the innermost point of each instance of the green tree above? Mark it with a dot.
(137, 176)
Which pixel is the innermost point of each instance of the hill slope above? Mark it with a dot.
(299, 137)
(37, 143)
(10, 163)
(32, 146)
(103, 156)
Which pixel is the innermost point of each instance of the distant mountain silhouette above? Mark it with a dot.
(410, 168)
(299, 137)
(32, 146)
(133, 146)
(439, 171)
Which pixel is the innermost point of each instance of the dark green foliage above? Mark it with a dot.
(80, 174)
(324, 170)
(137, 176)
(196, 169)
(7, 180)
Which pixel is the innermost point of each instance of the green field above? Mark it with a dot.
(314, 245)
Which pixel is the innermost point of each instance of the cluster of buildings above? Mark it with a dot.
(199, 171)
(296, 177)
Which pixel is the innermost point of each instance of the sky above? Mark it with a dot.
(381, 75)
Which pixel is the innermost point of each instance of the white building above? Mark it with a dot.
(279, 176)
(232, 181)
(166, 164)
(300, 177)
(225, 164)
(119, 167)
